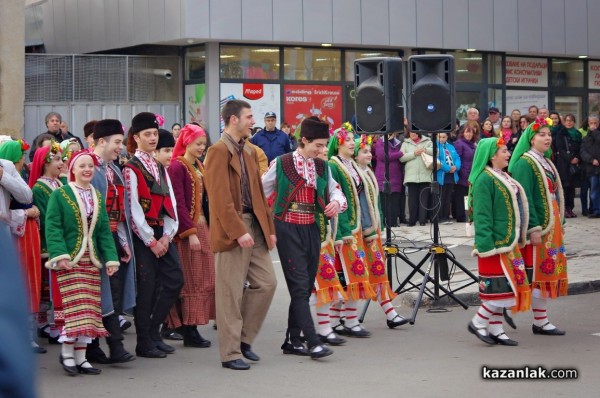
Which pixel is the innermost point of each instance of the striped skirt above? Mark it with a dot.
(80, 293)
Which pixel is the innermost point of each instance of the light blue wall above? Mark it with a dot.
(513, 26)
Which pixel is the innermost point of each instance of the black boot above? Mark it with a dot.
(118, 354)
(94, 353)
(192, 338)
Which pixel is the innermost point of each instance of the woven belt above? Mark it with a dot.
(155, 223)
(304, 208)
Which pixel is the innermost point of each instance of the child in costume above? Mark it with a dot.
(499, 237)
(77, 236)
(544, 254)
(44, 179)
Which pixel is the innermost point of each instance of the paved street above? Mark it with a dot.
(434, 357)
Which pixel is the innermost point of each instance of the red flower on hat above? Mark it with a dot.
(535, 127)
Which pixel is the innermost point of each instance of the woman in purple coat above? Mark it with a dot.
(465, 147)
(396, 197)
(197, 299)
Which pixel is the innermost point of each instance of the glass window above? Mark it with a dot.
(468, 66)
(567, 73)
(195, 63)
(569, 104)
(261, 63)
(351, 56)
(312, 64)
(494, 100)
(495, 69)
(465, 100)
(594, 103)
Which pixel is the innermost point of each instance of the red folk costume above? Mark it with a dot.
(197, 297)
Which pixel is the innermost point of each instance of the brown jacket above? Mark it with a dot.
(222, 179)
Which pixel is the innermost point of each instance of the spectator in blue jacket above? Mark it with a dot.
(271, 140)
(447, 176)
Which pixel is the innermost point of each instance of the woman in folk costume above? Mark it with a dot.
(499, 235)
(371, 217)
(328, 289)
(77, 235)
(43, 180)
(544, 254)
(196, 305)
(24, 225)
(350, 256)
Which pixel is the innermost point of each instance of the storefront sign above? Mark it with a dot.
(262, 97)
(530, 72)
(523, 99)
(594, 74)
(301, 101)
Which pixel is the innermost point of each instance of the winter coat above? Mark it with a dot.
(414, 168)
(590, 150)
(465, 150)
(565, 150)
(396, 177)
(445, 165)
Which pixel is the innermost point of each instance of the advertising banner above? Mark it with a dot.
(530, 72)
(262, 97)
(301, 101)
(523, 99)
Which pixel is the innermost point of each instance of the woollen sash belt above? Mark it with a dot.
(304, 208)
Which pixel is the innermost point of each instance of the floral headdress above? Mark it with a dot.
(541, 122)
(365, 140)
(54, 150)
(338, 136)
(524, 143)
(24, 145)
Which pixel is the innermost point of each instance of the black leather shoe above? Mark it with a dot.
(248, 353)
(594, 215)
(96, 355)
(71, 370)
(236, 364)
(150, 353)
(53, 340)
(332, 339)
(397, 321)
(88, 370)
(324, 352)
(362, 333)
(498, 340)
(290, 349)
(550, 332)
(164, 347)
(475, 330)
(193, 338)
(118, 354)
(170, 334)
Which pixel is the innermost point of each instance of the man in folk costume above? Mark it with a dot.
(544, 254)
(241, 235)
(302, 186)
(154, 223)
(44, 179)
(499, 237)
(23, 221)
(196, 305)
(371, 222)
(80, 245)
(118, 291)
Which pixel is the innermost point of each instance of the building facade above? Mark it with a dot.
(295, 57)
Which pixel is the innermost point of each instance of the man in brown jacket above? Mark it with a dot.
(242, 233)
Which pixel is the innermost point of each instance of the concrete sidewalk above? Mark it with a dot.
(582, 242)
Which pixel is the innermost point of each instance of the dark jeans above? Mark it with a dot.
(595, 193)
(159, 281)
(418, 198)
(298, 247)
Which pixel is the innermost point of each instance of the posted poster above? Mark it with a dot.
(195, 104)
(262, 97)
(531, 72)
(523, 99)
(324, 102)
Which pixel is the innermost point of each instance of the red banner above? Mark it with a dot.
(301, 101)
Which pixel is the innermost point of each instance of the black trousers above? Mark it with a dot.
(395, 213)
(445, 200)
(417, 202)
(159, 281)
(298, 247)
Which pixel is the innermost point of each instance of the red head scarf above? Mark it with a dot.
(77, 155)
(188, 134)
(40, 158)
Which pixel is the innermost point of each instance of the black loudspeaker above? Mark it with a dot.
(431, 93)
(378, 83)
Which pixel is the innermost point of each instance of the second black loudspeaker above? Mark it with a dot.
(431, 93)
(378, 83)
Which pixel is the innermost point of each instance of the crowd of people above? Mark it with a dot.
(176, 232)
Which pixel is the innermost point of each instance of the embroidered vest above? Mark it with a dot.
(289, 183)
(154, 198)
(115, 202)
